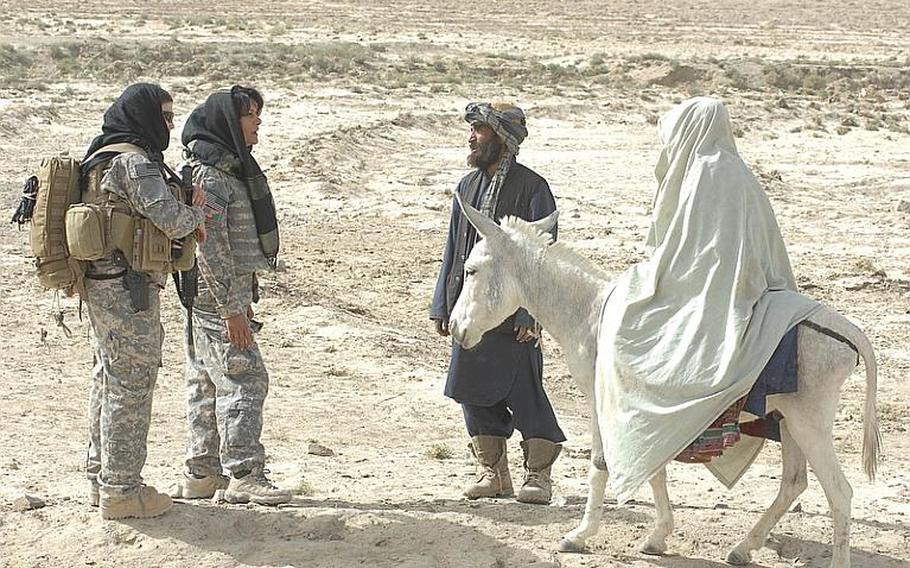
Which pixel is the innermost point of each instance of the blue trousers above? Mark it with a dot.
(526, 408)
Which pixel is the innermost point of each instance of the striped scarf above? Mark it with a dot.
(508, 122)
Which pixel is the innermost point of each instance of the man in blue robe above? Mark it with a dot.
(499, 383)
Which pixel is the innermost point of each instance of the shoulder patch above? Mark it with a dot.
(215, 208)
(144, 169)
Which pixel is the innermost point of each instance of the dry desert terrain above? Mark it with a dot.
(363, 144)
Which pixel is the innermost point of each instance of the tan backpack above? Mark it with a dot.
(58, 188)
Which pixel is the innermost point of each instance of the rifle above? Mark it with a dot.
(26, 207)
(187, 281)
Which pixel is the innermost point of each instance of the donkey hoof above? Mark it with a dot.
(739, 557)
(653, 547)
(568, 545)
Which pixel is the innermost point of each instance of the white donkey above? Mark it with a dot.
(516, 265)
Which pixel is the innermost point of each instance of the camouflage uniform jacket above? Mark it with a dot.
(138, 181)
(231, 254)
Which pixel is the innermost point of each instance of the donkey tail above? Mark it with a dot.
(872, 437)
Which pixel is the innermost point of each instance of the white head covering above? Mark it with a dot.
(686, 332)
(696, 128)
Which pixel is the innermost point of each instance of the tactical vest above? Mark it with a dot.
(104, 223)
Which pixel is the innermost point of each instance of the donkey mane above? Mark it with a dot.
(524, 232)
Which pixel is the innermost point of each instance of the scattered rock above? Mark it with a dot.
(117, 534)
(218, 497)
(27, 503)
(324, 527)
(577, 453)
(318, 449)
(903, 206)
(13, 465)
(798, 508)
(854, 283)
(721, 506)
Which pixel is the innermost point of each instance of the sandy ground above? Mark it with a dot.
(363, 145)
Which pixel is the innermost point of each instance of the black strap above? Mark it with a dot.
(120, 274)
(832, 334)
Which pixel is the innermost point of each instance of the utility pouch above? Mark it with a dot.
(122, 230)
(57, 272)
(86, 229)
(187, 258)
(156, 249)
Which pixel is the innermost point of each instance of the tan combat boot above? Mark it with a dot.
(255, 487)
(94, 493)
(141, 504)
(539, 457)
(193, 487)
(494, 480)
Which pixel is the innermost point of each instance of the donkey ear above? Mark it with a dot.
(485, 226)
(546, 224)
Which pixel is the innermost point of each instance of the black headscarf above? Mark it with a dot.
(134, 118)
(213, 135)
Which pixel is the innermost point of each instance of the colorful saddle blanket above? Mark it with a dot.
(779, 376)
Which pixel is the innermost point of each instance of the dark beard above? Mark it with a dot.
(489, 154)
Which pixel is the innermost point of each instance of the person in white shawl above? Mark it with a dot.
(686, 332)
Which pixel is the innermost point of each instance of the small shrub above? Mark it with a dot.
(303, 487)
(814, 83)
(651, 56)
(440, 451)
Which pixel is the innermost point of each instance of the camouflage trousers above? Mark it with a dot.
(226, 389)
(127, 354)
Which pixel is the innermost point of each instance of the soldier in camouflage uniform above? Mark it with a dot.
(123, 304)
(226, 378)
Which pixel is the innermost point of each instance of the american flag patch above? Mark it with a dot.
(144, 169)
(215, 209)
